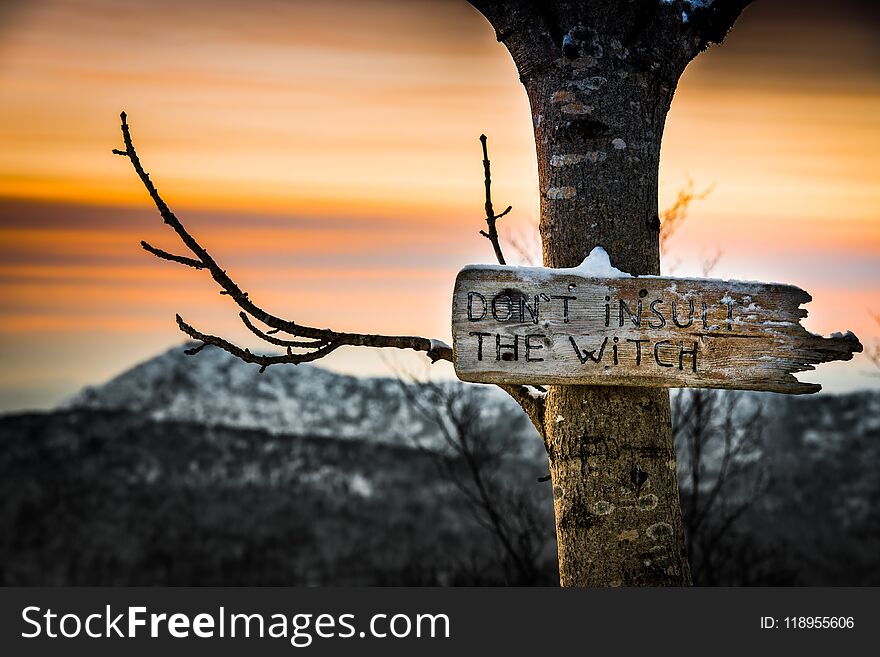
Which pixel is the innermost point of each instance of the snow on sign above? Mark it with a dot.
(594, 324)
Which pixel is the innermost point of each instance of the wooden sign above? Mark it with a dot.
(594, 325)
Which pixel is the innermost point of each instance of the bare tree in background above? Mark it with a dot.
(476, 458)
(719, 437)
(673, 217)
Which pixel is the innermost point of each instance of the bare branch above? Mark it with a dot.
(491, 217)
(532, 403)
(322, 340)
(673, 217)
(195, 350)
(304, 344)
(246, 355)
(183, 260)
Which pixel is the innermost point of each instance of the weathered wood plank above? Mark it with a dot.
(546, 326)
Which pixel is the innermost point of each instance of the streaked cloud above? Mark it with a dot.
(327, 153)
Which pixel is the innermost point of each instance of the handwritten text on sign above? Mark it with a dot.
(546, 326)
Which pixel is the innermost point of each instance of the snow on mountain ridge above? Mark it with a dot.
(215, 388)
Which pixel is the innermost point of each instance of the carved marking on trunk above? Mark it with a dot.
(628, 535)
(659, 530)
(602, 507)
(561, 193)
(576, 108)
(648, 502)
(545, 326)
(563, 96)
(567, 159)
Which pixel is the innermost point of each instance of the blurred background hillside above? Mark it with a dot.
(198, 470)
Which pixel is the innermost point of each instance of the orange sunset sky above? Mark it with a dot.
(327, 153)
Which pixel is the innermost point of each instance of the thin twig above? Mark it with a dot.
(164, 255)
(302, 344)
(491, 217)
(246, 355)
(533, 406)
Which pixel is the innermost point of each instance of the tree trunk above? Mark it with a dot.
(612, 461)
(600, 78)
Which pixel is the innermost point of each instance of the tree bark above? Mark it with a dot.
(612, 461)
(600, 78)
